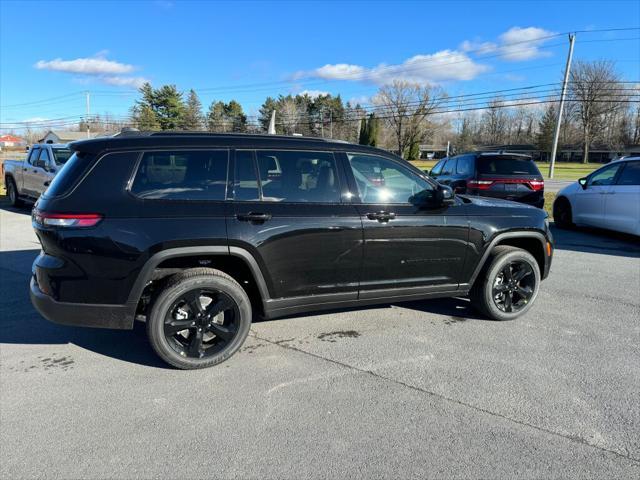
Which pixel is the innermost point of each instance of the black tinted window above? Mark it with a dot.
(630, 175)
(69, 174)
(465, 165)
(298, 176)
(182, 175)
(505, 165)
(449, 166)
(245, 186)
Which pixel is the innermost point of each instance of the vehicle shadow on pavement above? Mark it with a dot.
(592, 240)
(20, 323)
(5, 205)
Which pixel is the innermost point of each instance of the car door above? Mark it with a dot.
(407, 249)
(29, 171)
(622, 202)
(289, 213)
(43, 173)
(588, 202)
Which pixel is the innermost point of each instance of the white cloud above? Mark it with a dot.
(524, 51)
(423, 69)
(96, 68)
(314, 93)
(515, 45)
(86, 66)
(119, 81)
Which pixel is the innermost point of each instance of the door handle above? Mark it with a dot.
(47, 183)
(381, 216)
(24, 169)
(253, 217)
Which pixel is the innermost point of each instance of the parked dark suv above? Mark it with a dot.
(196, 233)
(508, 176)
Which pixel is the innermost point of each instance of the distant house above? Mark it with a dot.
(59, 136)
(12, 141)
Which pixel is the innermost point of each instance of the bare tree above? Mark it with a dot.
(496, 122)
(405, 107)
(291, 115)
(595, 89)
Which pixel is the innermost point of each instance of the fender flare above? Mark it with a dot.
(502, 236)
(156, 259)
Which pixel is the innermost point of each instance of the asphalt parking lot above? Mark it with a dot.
(424, 389)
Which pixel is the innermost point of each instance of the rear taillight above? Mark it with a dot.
(66, 220)
(479, 184)
(536, 184)
(485, 184)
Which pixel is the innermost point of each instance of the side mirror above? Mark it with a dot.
(41, 164)
(583, 182)
(446, 195)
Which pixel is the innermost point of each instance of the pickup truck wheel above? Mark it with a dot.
(508, 285)
(199, 319)
(12, 193)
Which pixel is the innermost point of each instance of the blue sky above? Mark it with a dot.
(248, 50)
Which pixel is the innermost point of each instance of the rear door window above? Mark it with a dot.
(630, 175)
(298, 176)
(465, 165)
(182, 175)
(506, 165)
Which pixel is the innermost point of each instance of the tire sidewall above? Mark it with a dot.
(155, 321)
(562, 212)
(487, 289)
(11, 191)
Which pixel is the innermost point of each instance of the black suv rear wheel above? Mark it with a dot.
(199, 319)
(508, 285)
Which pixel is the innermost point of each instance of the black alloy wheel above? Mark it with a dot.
(201, 323)
(513, 286)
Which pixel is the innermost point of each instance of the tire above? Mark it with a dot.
(490, 291)
(562, 215)
(204, 341)
(12, 193)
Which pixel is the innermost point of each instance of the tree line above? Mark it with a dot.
(601, 109)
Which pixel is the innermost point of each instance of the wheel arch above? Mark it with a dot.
(234, 261)
(533, 242)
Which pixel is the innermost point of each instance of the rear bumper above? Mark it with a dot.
(81, 314)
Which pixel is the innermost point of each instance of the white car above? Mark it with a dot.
(608, 198)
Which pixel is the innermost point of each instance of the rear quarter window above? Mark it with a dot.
(69, 174)
(505, 165)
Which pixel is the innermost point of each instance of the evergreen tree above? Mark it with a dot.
(216, 118)
(364, 132)
(546, 128)
(143, 112)
(235, 116)
(413, 151)
(193, 118)
(264, 115)
(169, 107)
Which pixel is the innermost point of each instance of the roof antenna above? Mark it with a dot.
(272, 124)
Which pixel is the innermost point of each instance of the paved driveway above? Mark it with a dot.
(424, 389)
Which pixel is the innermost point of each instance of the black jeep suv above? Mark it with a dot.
(197, 232)
(509, 176)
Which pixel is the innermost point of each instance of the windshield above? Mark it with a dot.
(506, 165)
(61, 155)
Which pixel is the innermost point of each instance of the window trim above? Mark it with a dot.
(356, 195)
(336, 161)
(142, 152)
(32, 158)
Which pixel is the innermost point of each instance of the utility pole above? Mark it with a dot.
(556, 135)
(88, 110)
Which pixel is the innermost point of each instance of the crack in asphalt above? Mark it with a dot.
(571, 438)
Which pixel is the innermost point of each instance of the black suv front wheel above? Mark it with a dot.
(199, 319)
(508, 285)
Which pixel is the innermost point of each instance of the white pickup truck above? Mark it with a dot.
(25, 180)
